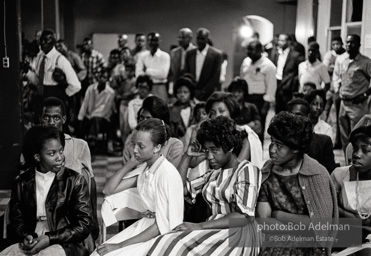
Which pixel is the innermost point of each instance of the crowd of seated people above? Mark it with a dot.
(192, 153)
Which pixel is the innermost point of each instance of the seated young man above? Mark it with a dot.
(76, 151)
(96, 109)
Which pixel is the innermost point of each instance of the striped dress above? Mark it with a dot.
(226, 191)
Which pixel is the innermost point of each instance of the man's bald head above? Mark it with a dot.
(185, 37)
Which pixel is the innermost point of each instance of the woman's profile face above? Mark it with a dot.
(201, 115)
(216, 156)
(51, 157)
(143, 146)
(279, 152)
(219, 109)
(361, 157)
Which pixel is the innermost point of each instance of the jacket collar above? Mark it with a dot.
(306, 168)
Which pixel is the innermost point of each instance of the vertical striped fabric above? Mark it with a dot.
(226, 191)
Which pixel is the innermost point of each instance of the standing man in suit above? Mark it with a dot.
(178, 55)
(204, 63)
(287, 61)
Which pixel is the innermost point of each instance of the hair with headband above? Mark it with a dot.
(157, 128)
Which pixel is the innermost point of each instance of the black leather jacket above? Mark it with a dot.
(67, 209)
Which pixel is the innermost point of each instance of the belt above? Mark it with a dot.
(159, 83)
(41, 218)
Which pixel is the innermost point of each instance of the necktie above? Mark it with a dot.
(41, 76)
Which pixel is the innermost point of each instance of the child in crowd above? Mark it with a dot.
(199, 115)
(352, 183)
(144, 86)
(317, 103)
(49, 207)
(308, 87)
(181, 111)
(126, 92)
(249, 114)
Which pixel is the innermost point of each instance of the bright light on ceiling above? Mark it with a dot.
(246, 31)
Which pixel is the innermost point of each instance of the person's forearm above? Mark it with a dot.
(223, 222)
(286, 217)
(115, 180)
(151, 232)
(183, 167)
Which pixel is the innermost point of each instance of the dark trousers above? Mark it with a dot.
(282, 97)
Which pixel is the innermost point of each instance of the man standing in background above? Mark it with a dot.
(156, 64)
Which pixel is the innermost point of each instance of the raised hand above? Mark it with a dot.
(195, 149)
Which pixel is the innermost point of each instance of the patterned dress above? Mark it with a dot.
(226, 191)
(284, 193)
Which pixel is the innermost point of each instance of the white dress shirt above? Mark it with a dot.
(97, 104)
(43, 183)
(281, 62)
(183, 56)
(260, 77)
(200, 59)
(156, 66)
(50, 64)
(313, 72)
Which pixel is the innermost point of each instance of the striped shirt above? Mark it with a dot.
(94, 64)
(229, 191)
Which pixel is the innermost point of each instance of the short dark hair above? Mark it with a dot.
(60, 41)
(311, 84)
(313, 44)
(157, 108)
(312, 95)
(227, 99)
(200, 105)
(159, 131)
(362, 133)
(239, 84)
(223, 133)
(144, 79)
(187, 82)
(356, 37)
(139, 35)
(337, 38)
(53, 102)
(298, 101)
(292, 130)
(47, 32)
(87, 39)
(115, 51)
(35, 139)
